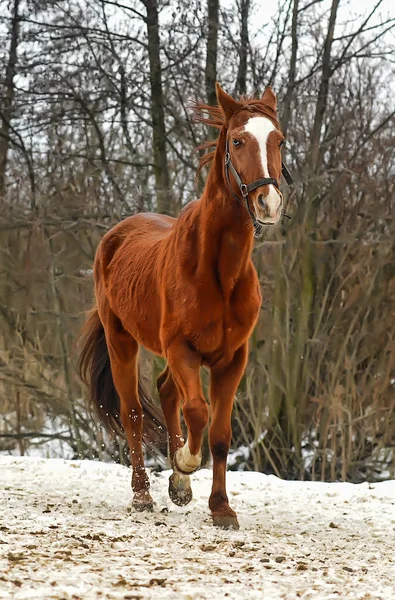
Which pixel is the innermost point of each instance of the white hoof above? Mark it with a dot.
(185, 462)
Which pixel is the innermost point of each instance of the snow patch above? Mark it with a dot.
(67, 530)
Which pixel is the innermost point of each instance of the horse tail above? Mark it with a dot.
(94, 368)
(95, 371)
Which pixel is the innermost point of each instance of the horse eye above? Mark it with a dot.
(236, 142)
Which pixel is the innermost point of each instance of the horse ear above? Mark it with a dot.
(227, 103)
(269, 98)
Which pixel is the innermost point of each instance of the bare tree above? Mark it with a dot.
(244, 10)
(7, 96)
(162, 178)
(288, 97)
(322, 97)
(212, 50)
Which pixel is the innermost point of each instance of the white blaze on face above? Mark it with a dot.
(260, 128)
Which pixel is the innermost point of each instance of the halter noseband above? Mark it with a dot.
(245, 189)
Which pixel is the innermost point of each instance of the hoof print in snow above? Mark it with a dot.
(207, 548)
(279, 559)
(348, 569)
(157, 581)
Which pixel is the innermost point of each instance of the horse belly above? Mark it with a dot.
(135, 300)
(146, 330)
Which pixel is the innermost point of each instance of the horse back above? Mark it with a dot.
(138, 233)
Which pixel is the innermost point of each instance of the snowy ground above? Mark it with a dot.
(67, 532)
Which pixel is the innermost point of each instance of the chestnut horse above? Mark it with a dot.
(187, 290)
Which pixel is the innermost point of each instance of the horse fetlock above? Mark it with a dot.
(140, 482)
(223, 516)
(218, 501)
(185, 462)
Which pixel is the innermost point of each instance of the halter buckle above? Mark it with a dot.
(244, 190)
(227, 158)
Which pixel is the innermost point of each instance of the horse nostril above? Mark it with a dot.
(261, 201)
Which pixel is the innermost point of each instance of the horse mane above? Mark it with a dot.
(213, 116)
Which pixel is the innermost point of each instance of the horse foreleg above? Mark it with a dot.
(223, 386)
(184, 364)
(179, 485)
(123, 352)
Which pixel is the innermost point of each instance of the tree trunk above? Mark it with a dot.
(241, 85)
(212, 50)
(162, 179)
(323, 90)
(292, 70)
(7, 99)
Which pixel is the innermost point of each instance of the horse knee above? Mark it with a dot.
(196, 413)
(220, 450)
(219, 440)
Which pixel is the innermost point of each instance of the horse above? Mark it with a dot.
(186, 289)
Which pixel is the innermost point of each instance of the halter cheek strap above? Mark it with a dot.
(245, 189)
(286, 174)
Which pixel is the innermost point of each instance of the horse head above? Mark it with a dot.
(251, 143)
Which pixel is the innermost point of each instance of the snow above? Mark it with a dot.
(67, 532)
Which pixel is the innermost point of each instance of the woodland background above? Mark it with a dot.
(95, 124)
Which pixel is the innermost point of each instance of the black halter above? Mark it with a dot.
(245, 189)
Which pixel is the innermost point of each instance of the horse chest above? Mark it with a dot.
(231, 327)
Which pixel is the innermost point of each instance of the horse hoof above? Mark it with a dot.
(143, 503)
(180, 491)
(182, 470)
(226, 522)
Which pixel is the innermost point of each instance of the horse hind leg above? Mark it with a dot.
(123, 352)
(180, 491)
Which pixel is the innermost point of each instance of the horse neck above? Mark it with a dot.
(226, 232)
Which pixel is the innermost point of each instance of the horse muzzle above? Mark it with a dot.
(268, 207)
